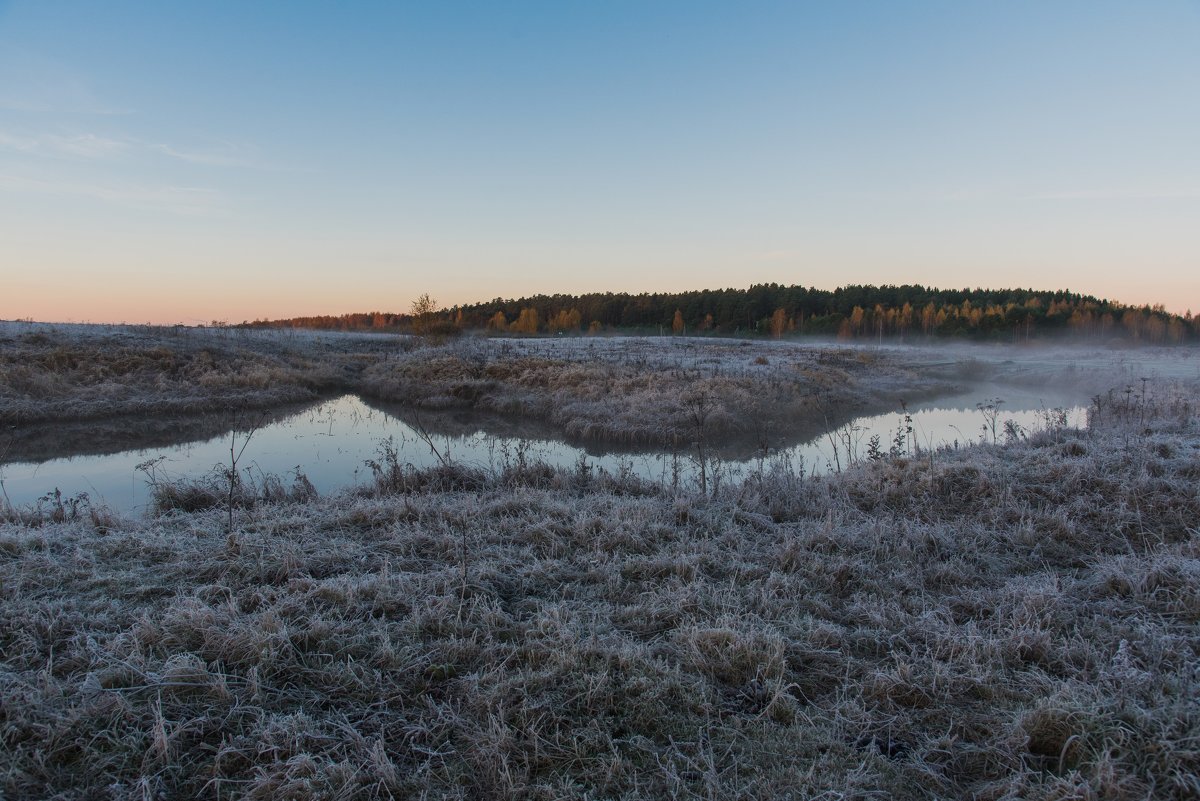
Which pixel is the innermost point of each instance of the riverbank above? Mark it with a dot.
(666, 392)
(624, 391)
(994, 622)
(69, 373)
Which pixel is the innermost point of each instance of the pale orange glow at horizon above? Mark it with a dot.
(193, 304)
(145, 178)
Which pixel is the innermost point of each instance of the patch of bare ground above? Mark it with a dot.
(1003, 622)
(660, 391)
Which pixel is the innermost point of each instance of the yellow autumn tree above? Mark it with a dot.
(526, 322)
(565, 320)
(677, 323)
(928, 318)
(858, 320)
(779, 323)
(904, 319)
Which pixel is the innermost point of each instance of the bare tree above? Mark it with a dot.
(423, 310)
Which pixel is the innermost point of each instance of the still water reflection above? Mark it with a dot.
(331, 442)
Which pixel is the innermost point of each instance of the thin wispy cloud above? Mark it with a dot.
(80, 145)
(56, 107)
(93, 146)
(208, 160)
(11, 142)
(185, 200)
(223, 154)
(88, 146)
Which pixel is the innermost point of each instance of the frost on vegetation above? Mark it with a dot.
(645, 390)
(1010, 621)
(74, 372)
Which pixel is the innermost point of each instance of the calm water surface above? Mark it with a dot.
(332, 441)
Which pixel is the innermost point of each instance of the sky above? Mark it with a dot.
(199, 161)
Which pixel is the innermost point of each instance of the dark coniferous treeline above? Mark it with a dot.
(850, 312)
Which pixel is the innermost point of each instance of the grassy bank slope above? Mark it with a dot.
(1001, 622)
(661, 391)
(76, 372)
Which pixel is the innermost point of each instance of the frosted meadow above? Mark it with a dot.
(792, 401)
(1012, 617)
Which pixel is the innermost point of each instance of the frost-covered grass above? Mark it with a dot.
(74, 372)
(1015, 621)
(662, 391)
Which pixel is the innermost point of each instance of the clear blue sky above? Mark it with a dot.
(230, 160)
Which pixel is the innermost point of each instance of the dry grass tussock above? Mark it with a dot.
(69, 373)
(1007, 622)
(651, 391)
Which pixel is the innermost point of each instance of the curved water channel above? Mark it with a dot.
(331, 442)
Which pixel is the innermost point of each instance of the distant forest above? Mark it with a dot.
(772, 310)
